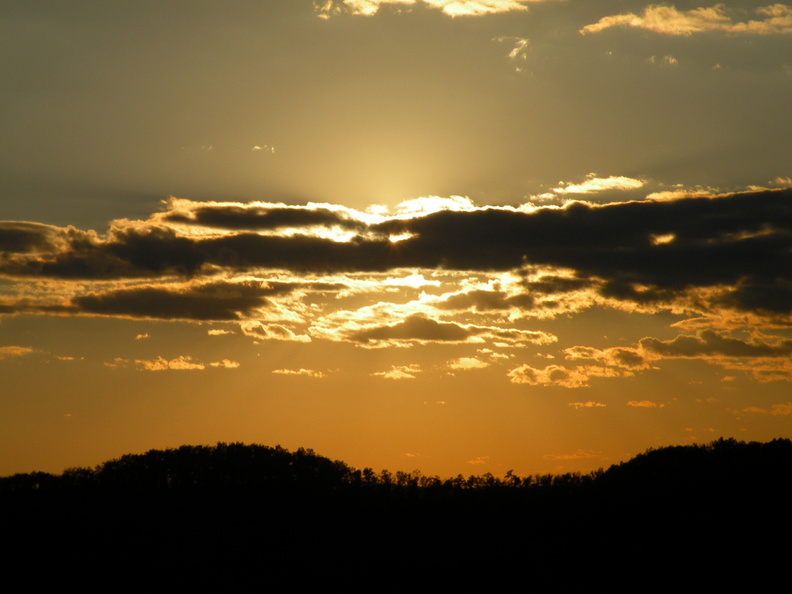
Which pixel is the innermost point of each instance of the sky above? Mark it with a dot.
(454, 236)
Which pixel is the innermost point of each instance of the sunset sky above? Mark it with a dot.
(449, 235)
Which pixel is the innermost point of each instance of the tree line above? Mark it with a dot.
(253, 466)
(234, 515)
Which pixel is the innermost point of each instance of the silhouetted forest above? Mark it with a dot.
(236, 515)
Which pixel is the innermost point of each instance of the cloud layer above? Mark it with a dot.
(730, 252)
(323, 272)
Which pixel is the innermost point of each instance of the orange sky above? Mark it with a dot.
(426, 234)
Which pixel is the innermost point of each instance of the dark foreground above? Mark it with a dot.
(236, 516)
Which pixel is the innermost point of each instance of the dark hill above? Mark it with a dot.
(235, 515)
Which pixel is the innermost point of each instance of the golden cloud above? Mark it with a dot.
(668, 20)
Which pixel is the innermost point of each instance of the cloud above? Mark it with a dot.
(429, 204)
(588, 404)
(209, 301)
(219, 332)
(709, 343)
(304, 372)
(644, 404)
(665, 60)
(783, 410)
(552, 375)
(521, 48)
(258, 216)
(611, 362)
(412, 280)
(399, 372)
(23, 237)
(328, 8)
(622, 357)
(738, 244)
(139, 251)
(480, 300)
(418, 328)
(594, 184)
(178, 364)
(181, 363)
(14, 351)
(466, 363)
(220, 300)
(668, 20)
(766, 358)
(269, 331)
(225, 364)
(709, 255)
(578, 455)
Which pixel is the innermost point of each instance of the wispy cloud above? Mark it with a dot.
(520, 50)
(399, 372)
(421, 329)
(181, 363)
(562, 377)
(644, 404)
(782, 410)
(593, 183)
(578, 455)
(587, 404)
(14, 351)
(328, 8)
(303, 372)
(467, 363)
(668, 20)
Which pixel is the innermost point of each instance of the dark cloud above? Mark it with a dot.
(482, 301)
(622, 357)
(645, 252)
(772, 295)
(210, 301)
(417, 328)
(551, 284)
(238, 217)
(420, 328)
(217, 300)
(722, 238)
(272, 332)
(25, 237)
(128, 253)
(299, 253)
(156, 250)
(709, 343)
(628, 358)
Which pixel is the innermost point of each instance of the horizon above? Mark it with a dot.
(437, 235)
(594, 472)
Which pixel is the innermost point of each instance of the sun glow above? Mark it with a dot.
(400, 237)
(663, 239)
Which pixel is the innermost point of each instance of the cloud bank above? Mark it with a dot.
(324, 272)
